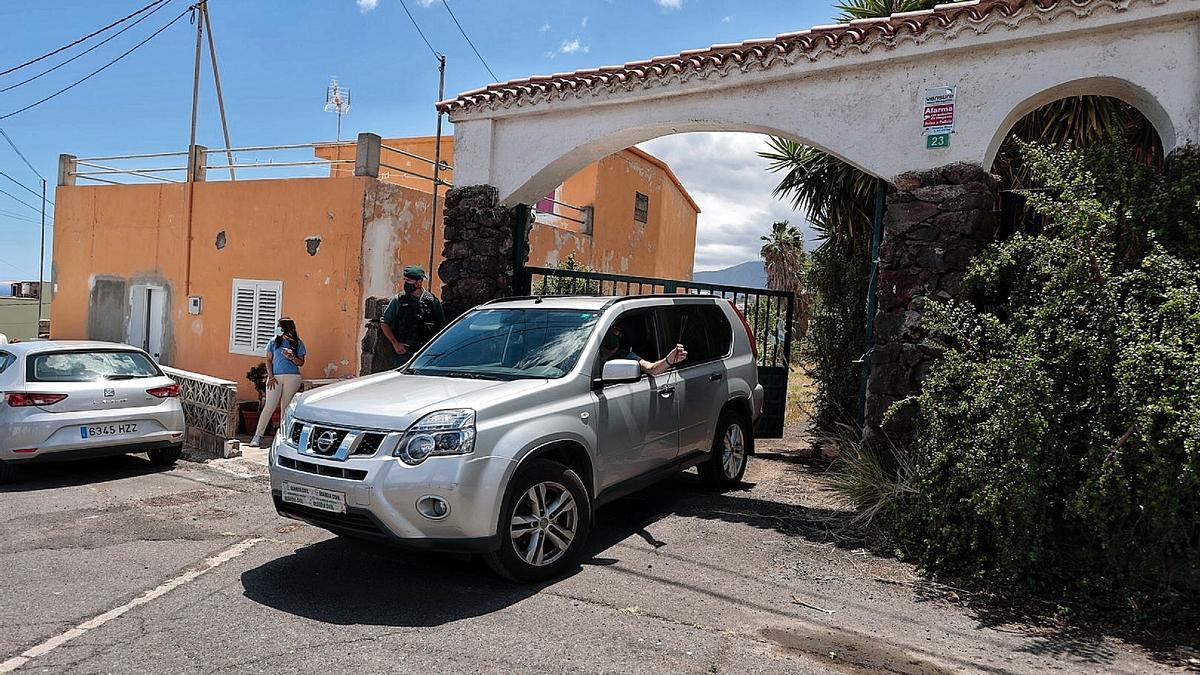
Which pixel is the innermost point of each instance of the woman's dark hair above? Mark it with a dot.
(288, 326)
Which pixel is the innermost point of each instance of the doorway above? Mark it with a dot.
(147, 311)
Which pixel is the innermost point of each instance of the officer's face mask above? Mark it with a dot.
(612, 341)
(409, 286)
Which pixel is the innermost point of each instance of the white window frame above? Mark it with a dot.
(260, 336)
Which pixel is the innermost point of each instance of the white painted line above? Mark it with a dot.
(101, 619)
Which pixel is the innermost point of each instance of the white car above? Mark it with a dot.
(62, 400)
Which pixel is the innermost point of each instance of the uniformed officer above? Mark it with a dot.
(412, 317)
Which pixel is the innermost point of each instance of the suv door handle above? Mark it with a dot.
(716, 376)
(666, 392)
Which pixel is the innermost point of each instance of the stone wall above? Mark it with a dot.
(377, 353)
(936, 221)
(477, 258)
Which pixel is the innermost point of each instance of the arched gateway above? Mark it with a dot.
(856, 90)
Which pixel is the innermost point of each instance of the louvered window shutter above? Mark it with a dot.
(255, 312)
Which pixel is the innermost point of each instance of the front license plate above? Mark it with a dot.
(102, 430)
(317, 498)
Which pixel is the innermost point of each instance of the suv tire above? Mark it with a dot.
(552, 508)
(6, 473)
(731, 449)
(165, 456)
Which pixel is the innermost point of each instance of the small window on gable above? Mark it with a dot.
(641, 207)
(254, 315)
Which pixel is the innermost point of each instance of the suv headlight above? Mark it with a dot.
(446, 432)
(285, 422)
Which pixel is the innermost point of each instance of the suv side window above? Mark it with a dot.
(720, 333)
(701, 329)
(638, 335)
(6, 360)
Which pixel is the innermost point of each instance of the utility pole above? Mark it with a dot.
(198, 15)
(212, 53)
(437, 158)
(42, 261)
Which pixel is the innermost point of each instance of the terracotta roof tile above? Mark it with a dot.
(862, 33)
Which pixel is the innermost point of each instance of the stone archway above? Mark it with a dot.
(853, 90)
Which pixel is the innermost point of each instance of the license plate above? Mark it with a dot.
(317, 498)
(101, 430)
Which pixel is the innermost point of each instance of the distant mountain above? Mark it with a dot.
(749, 274)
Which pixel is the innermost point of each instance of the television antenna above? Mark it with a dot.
(337, 100)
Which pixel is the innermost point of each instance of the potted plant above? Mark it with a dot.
(248, 410)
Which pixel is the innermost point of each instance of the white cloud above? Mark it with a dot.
(726, 19)
(426, 3)
(365, 6)
(545, 28)
(573, 47)
(670, 4)
(584, 22)
(730, 183)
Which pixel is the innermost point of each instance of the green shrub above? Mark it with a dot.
(1059, 434)
(833, 347)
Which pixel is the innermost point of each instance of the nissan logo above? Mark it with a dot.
(327, 441)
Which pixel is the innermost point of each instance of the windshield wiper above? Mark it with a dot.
(112, 378)
(472, 375)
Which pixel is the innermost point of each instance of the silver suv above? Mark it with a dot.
(505, 433)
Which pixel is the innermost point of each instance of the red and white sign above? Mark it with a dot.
(938, 117)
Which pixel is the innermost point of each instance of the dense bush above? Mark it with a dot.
(1059, 435)
(833, 347)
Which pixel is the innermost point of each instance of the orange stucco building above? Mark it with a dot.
(200, 279)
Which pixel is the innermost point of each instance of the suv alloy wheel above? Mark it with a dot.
(731, 448)
(544, 523)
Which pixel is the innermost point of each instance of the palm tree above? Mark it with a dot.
(783, 257)
(869, 9)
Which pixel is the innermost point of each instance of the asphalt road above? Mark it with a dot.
(114, 566)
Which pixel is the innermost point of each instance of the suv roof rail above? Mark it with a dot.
(612, 299)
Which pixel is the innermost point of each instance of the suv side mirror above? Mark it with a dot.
(620, 370)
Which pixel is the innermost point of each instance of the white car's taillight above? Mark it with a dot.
(23, 399)
(169, 391)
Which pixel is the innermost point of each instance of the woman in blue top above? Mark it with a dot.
(285, 355)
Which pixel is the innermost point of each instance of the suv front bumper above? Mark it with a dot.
(381, 495)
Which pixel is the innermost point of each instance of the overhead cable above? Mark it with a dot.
(20, 154)
(85, 37)
(28, 189)
(420, 32)
(22, 201)
(98, 70)
(163, 3)
(468, 39)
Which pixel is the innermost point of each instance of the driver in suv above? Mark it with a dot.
(504, 434)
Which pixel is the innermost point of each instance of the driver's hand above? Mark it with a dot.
(677, 355)
(400, 349)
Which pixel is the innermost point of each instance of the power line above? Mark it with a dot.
(28, 189)
(98, 70)
(16, 198)
(85, 37)
(468, 39)
(161, 4)
(20, 154)
(17, 216)
(420, 32)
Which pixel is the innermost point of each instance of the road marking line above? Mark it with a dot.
(101, 619)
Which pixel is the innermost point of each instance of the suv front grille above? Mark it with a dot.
(322, 469)
(368, 444)
(325, 441)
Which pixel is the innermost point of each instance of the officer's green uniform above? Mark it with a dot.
(414, 320)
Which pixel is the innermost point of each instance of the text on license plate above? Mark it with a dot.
(317, 498)
(120, 429)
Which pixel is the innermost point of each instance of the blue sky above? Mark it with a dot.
(276, 57)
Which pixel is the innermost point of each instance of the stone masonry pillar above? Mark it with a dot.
(936, 221)
(478, 257)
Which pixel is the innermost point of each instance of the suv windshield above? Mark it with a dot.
(508, 344)
(89, 366)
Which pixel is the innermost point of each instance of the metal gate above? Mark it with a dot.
(768, 312)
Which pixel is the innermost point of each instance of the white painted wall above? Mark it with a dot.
(865, 107)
